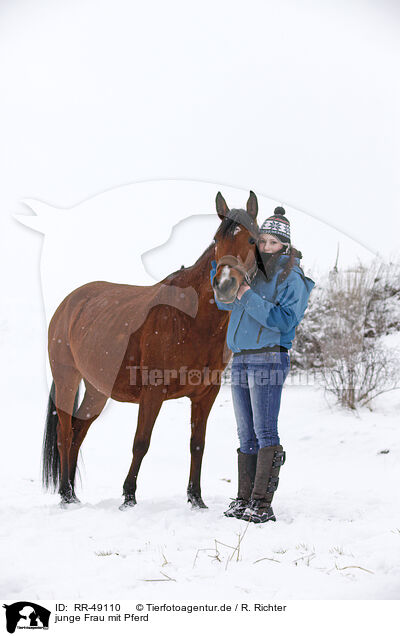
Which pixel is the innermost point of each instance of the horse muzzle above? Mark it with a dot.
(226, 290)
(226, 287)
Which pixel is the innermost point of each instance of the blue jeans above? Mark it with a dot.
(256, 382)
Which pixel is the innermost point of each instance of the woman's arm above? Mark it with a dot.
(285, 313)
(226, 306)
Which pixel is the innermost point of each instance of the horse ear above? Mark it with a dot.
(252, 205)
(222, 208)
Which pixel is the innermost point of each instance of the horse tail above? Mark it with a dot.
(50, 456)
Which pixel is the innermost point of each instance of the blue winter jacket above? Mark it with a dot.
(267, 314)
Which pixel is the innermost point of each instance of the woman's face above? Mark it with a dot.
(269, 244)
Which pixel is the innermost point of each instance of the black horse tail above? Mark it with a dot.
(50, 456)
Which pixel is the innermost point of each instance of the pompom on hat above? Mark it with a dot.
(277, 225)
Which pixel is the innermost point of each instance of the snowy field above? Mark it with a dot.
(337, 534)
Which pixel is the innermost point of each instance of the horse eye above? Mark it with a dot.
(252, 240)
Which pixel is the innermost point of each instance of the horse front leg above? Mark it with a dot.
(201, 408)
(150, 403)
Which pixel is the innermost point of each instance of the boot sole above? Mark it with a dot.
(256, 519)
(238, 516)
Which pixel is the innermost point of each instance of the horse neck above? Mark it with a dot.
(197, 276)
(200, 280)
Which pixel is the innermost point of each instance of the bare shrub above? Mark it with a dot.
(356, 365)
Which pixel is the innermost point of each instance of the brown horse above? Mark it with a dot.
(144, 344)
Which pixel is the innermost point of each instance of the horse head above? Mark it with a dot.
(235, 247)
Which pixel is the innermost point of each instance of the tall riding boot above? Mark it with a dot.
(246, 474)
(269, 461)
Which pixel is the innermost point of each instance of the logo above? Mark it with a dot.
(26, 615)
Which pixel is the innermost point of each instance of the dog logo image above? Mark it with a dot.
(26, 615)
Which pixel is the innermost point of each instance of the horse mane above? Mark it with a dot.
(181, 274)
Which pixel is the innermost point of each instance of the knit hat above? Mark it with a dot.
(277, 225)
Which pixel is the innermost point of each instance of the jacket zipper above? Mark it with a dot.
(234, 335)
(259, 333)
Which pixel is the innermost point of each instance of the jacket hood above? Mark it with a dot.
(309, 283)
(283, 259)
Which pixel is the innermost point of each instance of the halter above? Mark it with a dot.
(237, 264)
(241, 217)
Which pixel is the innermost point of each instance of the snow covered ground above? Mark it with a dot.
(337, 534)
(338, 529)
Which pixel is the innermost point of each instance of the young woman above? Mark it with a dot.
(260, 333)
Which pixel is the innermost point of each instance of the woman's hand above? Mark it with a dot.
(242, 289)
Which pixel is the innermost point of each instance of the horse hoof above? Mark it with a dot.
(67, 501)
(196, 502)
(129, 502)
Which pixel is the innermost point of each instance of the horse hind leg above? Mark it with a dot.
(92, 405)
(66, 381)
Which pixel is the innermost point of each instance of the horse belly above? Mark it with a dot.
(181, 369)
(99, 355)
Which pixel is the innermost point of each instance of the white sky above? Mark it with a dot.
(298, 101)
